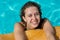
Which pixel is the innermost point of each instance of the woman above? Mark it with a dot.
(31, 19)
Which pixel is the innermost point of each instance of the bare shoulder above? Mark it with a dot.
(18, 26)
(48, 27)
(47, 23)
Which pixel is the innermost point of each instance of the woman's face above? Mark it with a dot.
(32, 17)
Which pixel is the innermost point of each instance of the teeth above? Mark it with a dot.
(34, 22)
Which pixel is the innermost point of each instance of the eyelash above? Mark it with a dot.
(29, 15)
(36, 14)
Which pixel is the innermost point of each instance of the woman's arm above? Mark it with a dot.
(19, 32)
(49, 30)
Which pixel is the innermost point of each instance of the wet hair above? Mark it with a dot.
(29, 4)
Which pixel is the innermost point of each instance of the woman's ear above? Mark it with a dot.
(24, 18)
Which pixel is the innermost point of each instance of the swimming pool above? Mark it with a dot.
(10, 11)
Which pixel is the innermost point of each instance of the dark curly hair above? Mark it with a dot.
(29, 4)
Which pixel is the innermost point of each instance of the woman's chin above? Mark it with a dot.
(34, 26)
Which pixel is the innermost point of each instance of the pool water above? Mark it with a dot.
(10, 11)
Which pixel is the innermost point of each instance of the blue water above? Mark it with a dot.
(10, 10)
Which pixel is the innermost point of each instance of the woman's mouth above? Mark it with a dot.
(34, 22)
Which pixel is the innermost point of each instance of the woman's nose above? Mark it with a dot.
(34, 17)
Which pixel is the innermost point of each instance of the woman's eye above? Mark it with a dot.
(37, 14)
(29, 15)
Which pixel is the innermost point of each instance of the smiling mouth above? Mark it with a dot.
(34, 22)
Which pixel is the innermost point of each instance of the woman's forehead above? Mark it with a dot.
(31, 9)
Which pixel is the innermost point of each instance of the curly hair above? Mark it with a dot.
(29, 4)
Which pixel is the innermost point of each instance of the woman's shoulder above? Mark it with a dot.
(19, 25)
(45, 20)
(47, 23)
